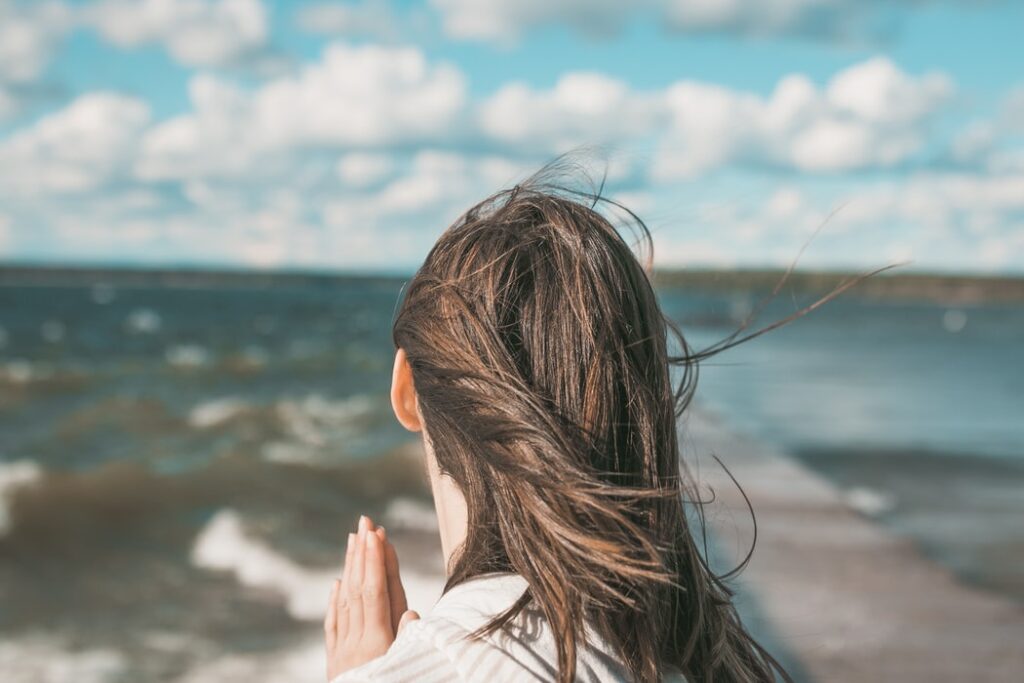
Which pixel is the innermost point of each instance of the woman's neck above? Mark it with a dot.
(450, 505)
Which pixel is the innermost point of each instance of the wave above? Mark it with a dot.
(215, 412)
(102, 293)
(46, 659)
(52, 331)
(21, 371)
(143, 321)
(314, 426)
(302, 663)
(187, 356)
(13, 476)
(407, 513)
(868, 501)
(316, 418)
(224, 545)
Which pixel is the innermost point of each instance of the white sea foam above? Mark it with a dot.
(187, 356)
(52, 331)
(103, 293)
(288, 453)
(315, 418)
(869, 501)
(301, 663)
(224, 545)
(954, 320)
(143, 321)
(406, 513)
(212, 413)
(313, 424)
(43, 659)
(19, 371)
(14, 475)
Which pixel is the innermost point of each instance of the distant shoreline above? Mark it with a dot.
(951, 289)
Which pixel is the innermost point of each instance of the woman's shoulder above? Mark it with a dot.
(416, 655)
(440, 647)
(523, 650)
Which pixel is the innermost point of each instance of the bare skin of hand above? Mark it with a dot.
(367, 607)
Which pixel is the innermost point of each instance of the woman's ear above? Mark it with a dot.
(403, 394)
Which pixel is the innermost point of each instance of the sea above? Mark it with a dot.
(179, 464)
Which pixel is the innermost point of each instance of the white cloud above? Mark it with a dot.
(937, 221)
(370, 18)
(809, 18)
(1012, 113)
(9, 103)
(29, 34)
(504, 21)
(29, 37)
(362, 157)
(854, 20)
(438, 181)
(5, 233)
(845, 20)
(195, 32)
(354, 97)
(582, 108)
(362, 169)
(995, 143)
(76, 149)
(869, 115)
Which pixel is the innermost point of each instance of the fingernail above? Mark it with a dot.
(364, 523)
(383, 532)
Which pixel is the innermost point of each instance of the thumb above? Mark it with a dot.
(409, 615)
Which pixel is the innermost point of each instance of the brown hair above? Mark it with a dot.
(541, 360)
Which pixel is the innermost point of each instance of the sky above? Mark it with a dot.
(348, 135)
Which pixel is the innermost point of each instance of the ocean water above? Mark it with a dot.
(914, 409)
(179, 466)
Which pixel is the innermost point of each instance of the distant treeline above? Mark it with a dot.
(953, 289)
(197, 278)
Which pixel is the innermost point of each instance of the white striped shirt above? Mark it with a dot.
(436, 648)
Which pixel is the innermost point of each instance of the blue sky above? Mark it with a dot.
(350, 134)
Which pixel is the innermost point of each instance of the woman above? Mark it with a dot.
(532, 356)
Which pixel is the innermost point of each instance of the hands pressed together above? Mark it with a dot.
(367, 607)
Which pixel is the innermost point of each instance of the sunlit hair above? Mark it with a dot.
(541, 360)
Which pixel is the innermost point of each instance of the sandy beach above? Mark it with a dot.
(848, 600)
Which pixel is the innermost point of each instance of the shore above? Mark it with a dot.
(846, 599)
(833, 594)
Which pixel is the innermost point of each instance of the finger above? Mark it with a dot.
(409, 615)
(331, 618)
(355, 585)
(350, 550)
(342, 601)
(396, 591)
(376, 607)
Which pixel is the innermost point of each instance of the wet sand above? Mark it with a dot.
(847, 599)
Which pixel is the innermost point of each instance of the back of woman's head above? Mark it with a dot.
(540, 358)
